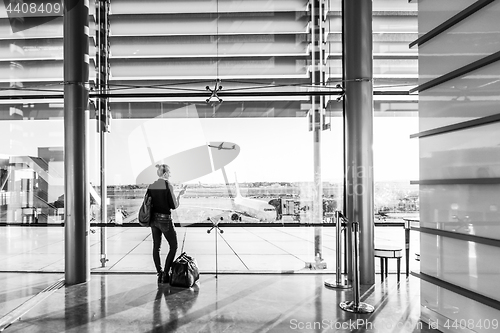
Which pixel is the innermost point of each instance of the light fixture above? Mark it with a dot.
(217, 86)
(214, 91)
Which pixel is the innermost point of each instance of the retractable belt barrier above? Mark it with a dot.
(337, 283)
(355, 305)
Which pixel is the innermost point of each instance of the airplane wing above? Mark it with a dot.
(225, 210)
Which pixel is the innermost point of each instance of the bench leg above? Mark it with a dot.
(382, 269)
(399, 267)
(386, 267)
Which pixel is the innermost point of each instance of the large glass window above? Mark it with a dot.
(166, 63)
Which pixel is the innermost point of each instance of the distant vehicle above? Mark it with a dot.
(221, 146)
(380, 215)
(383, 214)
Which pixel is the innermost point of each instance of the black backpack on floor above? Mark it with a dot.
(184, 271)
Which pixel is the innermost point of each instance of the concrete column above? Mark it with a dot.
(76, 74)
(358, 117)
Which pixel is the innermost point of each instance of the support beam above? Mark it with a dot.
(102, 108)
(358, 117)
(316, 125)
(76, 194)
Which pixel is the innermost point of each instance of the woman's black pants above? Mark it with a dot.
(167, 230)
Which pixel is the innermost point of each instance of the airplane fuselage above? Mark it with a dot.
(258, 209)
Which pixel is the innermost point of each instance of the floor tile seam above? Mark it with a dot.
(90, 302)
(301, 238)
(219, 304)
(16, 314)
(376, 315)
(94, 244)
(53, 263)
(406, 315)
(278, 247)
(111, 267)
(380, 306)
(203, 243)
(33, 249)
(218, 234)
(261, 242)
(246, 238)
(35, 287)
(290, 234)
(227, 250)
(119, 261)
(122, 231)
(253, 254)
(212, 242)
(30, 271)
(288, 313)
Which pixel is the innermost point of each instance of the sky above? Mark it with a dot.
(270, 149)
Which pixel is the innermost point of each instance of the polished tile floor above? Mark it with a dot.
(238, 249)
(228, 303)
(262, 284)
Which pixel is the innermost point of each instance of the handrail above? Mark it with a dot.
(6, 179)
(225, 224)
(458, 72)
(459, 290)
(48, 204)
(457, 181)
(451, 22)
(458, 126)
(459, 236)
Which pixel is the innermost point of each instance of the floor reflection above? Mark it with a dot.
(170, 304)
(228, 303)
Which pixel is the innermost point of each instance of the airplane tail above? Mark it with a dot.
(238, 193)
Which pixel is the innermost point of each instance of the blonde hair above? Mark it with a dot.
(161, 169)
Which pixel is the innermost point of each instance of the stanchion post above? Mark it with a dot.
(346, 252)
(355, 305)
(338, 284)
(215, 225)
